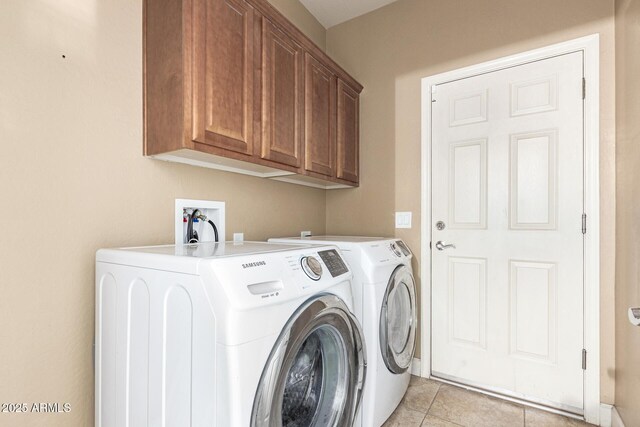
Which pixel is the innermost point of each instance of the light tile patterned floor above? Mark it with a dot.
(431, 403)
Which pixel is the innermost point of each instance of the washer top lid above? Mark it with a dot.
(212, 249)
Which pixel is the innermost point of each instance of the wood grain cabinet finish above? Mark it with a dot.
(320, 118)
(233, 85)
(282, 96)
(348, 133)
(223, 74)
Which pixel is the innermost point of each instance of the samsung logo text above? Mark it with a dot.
(254, 264)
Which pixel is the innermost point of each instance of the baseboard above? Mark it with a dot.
(605, 415)
(609, 416)
(616, 421)
(415, 367)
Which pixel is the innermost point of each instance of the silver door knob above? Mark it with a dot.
(441, 246)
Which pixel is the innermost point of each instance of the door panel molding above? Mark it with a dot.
(589, 46)
(465, 211)
(530, 299)
(528, 209)
(550, 84)
(468, 108)
(468, 294)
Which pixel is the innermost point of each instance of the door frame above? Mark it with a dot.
(589, 46)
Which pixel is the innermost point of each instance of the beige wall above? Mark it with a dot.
(627, 208)
(392, 48)
(74, 180)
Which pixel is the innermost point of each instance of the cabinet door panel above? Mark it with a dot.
(348, 132)
(319, 137)
(282, 96)
(223, 70)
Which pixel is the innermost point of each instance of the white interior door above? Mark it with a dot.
(507, 185)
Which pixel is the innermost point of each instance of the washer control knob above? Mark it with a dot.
(312, 267)
(395, 249)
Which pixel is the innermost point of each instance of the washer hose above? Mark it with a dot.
(189, 228)
(215, 230)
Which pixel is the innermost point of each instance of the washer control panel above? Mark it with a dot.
(334, 262)
(403, 247)
(395, 249)
(312, 267)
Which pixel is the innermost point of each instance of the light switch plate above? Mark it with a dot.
(403, 219)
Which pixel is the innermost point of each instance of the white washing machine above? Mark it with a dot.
(385, 303)
(215, 334)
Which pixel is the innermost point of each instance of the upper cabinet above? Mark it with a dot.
(223, 74)
(282, 96)
(320, 118)
(348, 129)
(233, 85)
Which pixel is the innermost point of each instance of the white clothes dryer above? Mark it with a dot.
(235, 334)
(385, 303)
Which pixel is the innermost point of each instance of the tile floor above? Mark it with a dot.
(431, 403)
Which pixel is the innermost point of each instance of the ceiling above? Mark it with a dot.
(333, 12)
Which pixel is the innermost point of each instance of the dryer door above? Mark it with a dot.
(398, 321)
(316, 370)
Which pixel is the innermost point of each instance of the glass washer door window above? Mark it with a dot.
(315, 373)
(398, 321)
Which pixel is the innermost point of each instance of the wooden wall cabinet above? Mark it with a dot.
(320, 118)
(233, 85)
(348, 118)
(223, 74)
(282, 96)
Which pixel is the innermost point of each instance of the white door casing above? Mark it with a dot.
(514, 214)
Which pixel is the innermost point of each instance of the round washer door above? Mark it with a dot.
(316, 370)
(398, 321)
